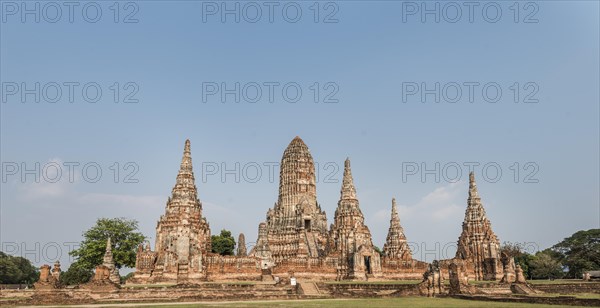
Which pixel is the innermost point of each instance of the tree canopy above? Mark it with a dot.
(125, 239)
(14, 270)
(580, 252)
(223, 243)
(545, 266)
(76, 274)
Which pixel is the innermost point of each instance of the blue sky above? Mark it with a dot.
(369, 57)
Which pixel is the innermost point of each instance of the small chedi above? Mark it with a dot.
(478, 244)
(106, 275)
(397, 260)
(396, 246)
(49, 277)
(109, 263)
(295, 240)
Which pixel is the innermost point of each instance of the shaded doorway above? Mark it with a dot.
(368, 264)
(307, 224)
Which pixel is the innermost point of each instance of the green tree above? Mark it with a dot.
(76, 274)
(524, 261)
(580, 252)
(223, 243)
(124, 238)
(15, 270)
(545, 266)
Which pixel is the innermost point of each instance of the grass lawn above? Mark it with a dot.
(361, 303)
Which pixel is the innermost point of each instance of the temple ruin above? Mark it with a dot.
(295, 240)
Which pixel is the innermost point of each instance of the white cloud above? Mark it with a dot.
(442, 204)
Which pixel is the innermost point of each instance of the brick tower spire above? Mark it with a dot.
(350, 237)
(297, 227)
(396, 246)
(477, 242)
(182, 234)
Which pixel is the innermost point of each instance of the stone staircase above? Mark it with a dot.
(312, 245)
(309, 289)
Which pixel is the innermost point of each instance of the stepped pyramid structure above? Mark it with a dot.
(396, 246)
(110, 264)
(477, 244)
(350, 238)
(182, 234)
(296, 225)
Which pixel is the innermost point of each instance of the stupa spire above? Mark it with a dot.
(108, 245)
(396, 246)
(395, 212)
(109, 262)
(185, 169)
(473, 193)
(349, 235)
(348, 190)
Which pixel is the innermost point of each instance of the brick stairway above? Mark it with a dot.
(309, 288)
